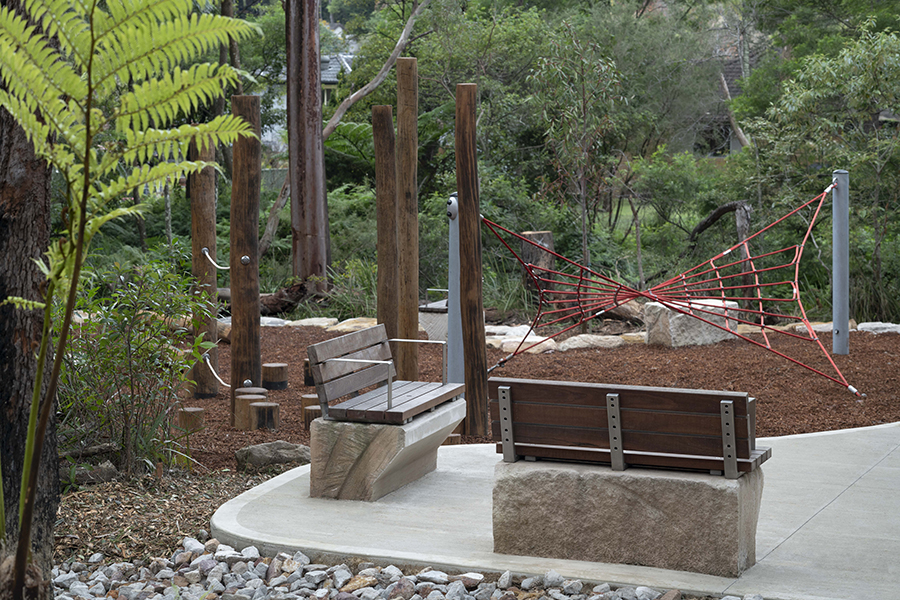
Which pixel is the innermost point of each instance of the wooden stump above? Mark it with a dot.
(311, 413)
(275, 376)
(190, 418)
(452, 440)
(308, 380)
(264, 415)
(242, 409)
(243, 391)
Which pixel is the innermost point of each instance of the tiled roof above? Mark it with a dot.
(332, 66)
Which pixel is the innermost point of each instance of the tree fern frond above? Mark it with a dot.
(33, 61)
(153, 102)
(66, 21)
(173, 143)
(136, 53)
(140, 13)
(146, 174)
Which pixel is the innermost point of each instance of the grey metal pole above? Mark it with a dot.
(456, 369)
(840, 263)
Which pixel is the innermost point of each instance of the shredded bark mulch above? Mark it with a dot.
(151, 515)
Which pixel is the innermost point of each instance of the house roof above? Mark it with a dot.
(333, 65)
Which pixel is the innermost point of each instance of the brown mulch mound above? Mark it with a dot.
(149, 516)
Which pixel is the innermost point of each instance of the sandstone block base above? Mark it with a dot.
(365, 461)
(667, 327)
(672, 520)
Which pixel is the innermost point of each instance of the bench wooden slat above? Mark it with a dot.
(333, 369)
(407, 410)
(631, 420)
(632, 396)
(638, 441)
(352, 383)
(647, 459)
(378, 398)
(351, 342)
(364, 401)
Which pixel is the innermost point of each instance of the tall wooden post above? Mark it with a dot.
(386, 219)
(471, 304)
(407, 356)
(309, 210)
(202, 190)
(246, 362)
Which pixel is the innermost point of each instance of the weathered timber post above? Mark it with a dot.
(386, 219)
(246, 361)
(471, 304)
(407, 356)
(309, 210)
(202, 190)
(840, 264)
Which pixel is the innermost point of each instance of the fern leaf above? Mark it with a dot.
(153, 102)
(23, 304)
(173, 143)
(66, 21)
(137, 53)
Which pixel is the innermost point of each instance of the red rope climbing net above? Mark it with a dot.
(731, 289)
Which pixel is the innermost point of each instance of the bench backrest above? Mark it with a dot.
(335, 379)
(636, 425)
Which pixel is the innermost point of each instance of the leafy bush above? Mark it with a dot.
(126, 365)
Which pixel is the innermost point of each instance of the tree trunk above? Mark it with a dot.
(24, 237)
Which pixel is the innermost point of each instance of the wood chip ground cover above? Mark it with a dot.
(150, 516)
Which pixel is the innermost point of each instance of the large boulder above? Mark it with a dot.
(271, 453)
(666, 327)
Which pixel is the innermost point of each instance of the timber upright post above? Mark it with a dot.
(407, 356)
(471, 303)
(840, 263)
(202, 190)
(246, 361)
(386, 221)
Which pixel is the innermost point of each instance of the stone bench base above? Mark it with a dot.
(365, 461)
(668, 519)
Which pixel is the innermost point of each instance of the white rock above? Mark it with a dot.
(271, 322)
(250, 552)
(193, 576)
(552, 579)
(193, 545)
(438, 577)
(96, 558)
(532, 344)
(671, 328)
(313, 322)
(65, 580)
(646, 593)
(393, 572)
(353, 325)
(589, 340)
(879, 327)
(505, 580)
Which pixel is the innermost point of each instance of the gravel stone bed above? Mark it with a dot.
(212, 571)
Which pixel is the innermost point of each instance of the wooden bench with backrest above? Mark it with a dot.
(625, 425)
(349, 364)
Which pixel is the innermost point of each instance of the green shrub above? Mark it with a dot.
(126, 365)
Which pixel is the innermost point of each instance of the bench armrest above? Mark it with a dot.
(386, 363)
(443, 355)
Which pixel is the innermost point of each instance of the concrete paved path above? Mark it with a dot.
(829, 526)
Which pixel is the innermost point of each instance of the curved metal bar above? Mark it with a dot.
(213, 371)
(205, 252)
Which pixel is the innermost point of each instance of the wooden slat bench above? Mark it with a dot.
(625, 425)
(347, 365)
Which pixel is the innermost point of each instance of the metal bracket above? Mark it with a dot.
(613, 418)
(729, 442)
(506, 424)
(751, 422)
